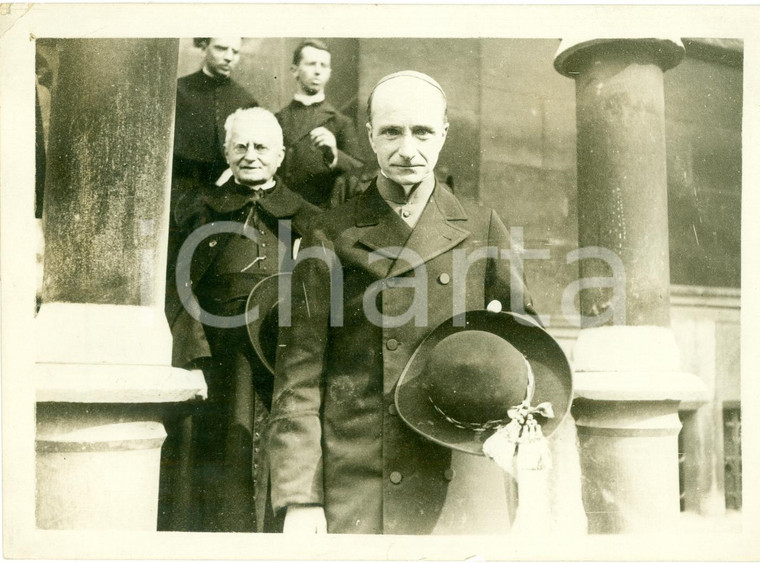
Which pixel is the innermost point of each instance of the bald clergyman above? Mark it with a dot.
(342, 461)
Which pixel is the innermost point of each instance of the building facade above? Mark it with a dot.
(512, 145)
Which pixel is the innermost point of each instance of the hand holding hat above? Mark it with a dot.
(497, 387)
(490, 388)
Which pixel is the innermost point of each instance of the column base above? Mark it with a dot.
(627, 419)
(629, 461)
(97, 473)
(103, 386)
(703, 469)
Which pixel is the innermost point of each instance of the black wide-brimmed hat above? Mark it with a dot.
(464, 383)
(263, 330)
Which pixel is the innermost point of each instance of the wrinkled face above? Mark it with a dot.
(407, 129)
(254, 151)
(313, 70)
(221, 55)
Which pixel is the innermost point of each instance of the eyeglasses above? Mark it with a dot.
(240, 149)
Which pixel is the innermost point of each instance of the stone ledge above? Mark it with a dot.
(639, 386)
(705, 297)
(108, 383)
(667, 52)
(729, 52)
(125, 436)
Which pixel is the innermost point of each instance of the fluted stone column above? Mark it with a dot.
(103, 373)
(628, 374)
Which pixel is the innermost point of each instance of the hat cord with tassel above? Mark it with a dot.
(522, 434)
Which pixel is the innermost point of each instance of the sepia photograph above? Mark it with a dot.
(375, 282)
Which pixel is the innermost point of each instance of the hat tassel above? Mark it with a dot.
(501, 445)
(522, 435)
(533, 452)
(529, 465)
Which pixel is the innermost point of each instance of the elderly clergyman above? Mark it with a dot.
(225, 264)
(342, 460)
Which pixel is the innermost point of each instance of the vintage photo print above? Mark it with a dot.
(379, 282)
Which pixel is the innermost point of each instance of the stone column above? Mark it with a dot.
(103, 344)
(628, 375)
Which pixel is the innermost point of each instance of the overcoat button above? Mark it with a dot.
(444, 279)
(392, 344)
(395, 477)
(448, 474)
(392, 409)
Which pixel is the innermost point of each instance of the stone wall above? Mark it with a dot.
(528, 168)
(703, 111)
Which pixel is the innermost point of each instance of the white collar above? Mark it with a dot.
(307, 100)
(266, 186)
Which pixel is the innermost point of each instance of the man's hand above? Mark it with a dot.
(305, 520)
(323, 139)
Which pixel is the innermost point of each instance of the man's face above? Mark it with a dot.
(254, 151)
(221, 55)
(313, 70)
(407, 129)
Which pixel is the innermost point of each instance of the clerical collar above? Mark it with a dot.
(213, 76)
(307, 100)
(393, 192)
(265, 187)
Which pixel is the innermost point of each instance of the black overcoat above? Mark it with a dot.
(221, 204)
(214, 475)
(335, 438)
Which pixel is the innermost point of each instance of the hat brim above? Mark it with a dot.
(553, 378)
(262, 330)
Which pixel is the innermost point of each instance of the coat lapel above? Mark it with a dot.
(440, 228)
(379, 229)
